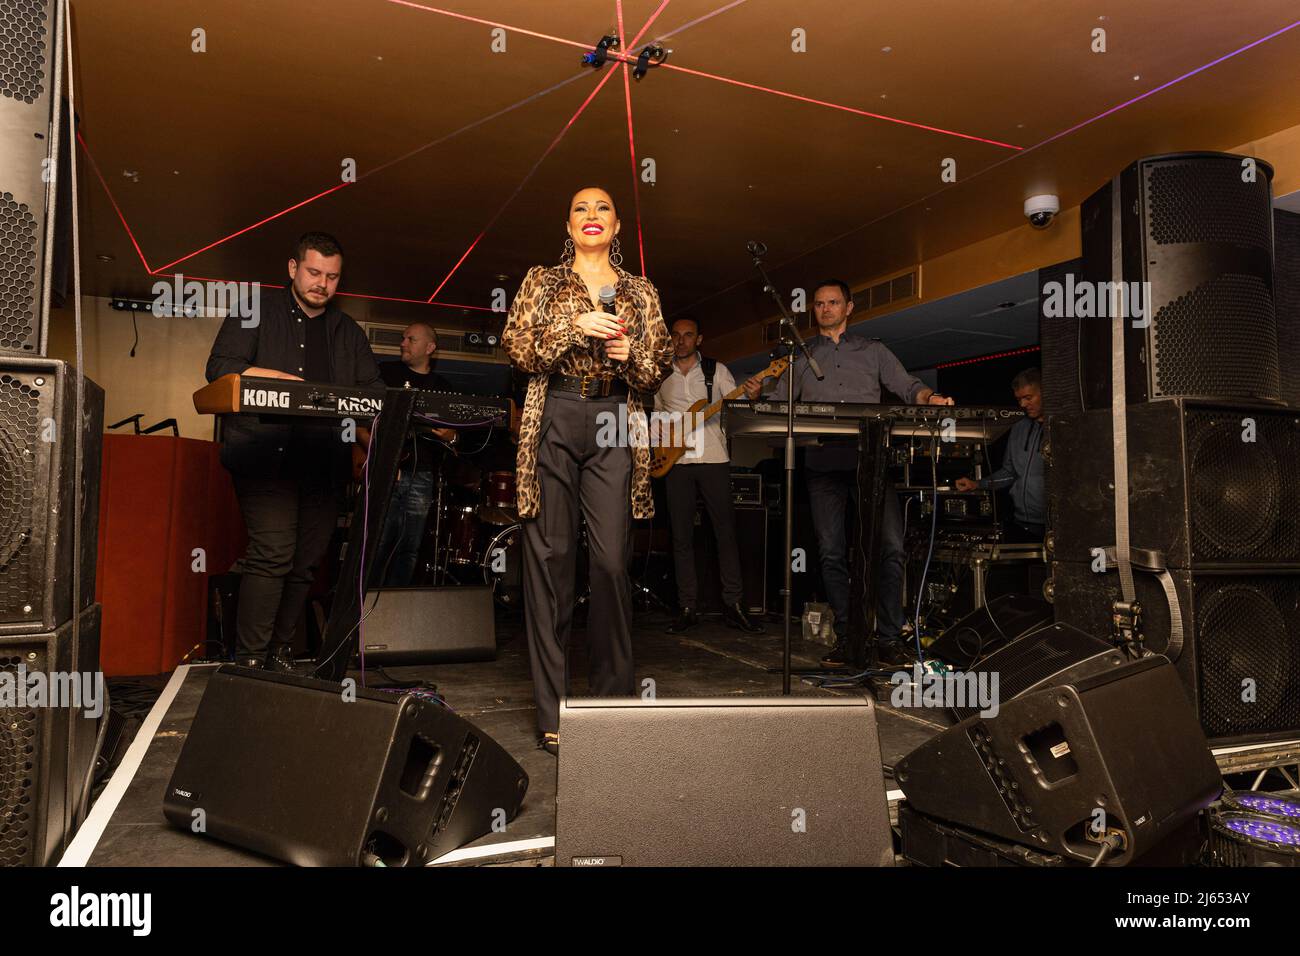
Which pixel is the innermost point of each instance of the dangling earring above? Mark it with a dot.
(567, 258)
(615, 256)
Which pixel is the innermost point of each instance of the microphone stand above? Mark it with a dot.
(794, 344)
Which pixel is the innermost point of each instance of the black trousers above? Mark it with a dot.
(289, 524)
(712, 481)
(574, 471)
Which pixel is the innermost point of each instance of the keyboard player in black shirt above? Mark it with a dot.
(288, 477)
(856, 369)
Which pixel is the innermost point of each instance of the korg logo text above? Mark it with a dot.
(263, 398)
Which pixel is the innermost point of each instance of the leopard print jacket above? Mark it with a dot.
(541, 339)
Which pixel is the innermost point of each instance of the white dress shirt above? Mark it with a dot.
(680, 391)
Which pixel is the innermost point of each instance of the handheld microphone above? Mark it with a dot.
(606, 296)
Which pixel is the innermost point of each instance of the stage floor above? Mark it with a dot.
(126, 827)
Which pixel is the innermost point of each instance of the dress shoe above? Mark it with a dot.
(684, 621)
(281, 662)
(895, 654)
(841, 655)
(550, 743)
(735, 617)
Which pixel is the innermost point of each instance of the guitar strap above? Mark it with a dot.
(709, 366)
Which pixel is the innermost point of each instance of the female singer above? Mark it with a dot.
(585, 367)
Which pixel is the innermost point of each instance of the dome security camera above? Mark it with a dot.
(1041, 210)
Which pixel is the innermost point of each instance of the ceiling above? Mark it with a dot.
(213, 162)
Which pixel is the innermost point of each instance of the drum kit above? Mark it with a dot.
(474, 537)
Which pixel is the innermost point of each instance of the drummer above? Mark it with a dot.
(408, 510)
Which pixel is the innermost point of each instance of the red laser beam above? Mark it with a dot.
(108, 192)
(988, 358)
(382, 166)
(653, 17)
(260, 222)
(636, 187)
(837, 106)
(523, 182)
(491, 23)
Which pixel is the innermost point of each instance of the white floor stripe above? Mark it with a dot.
(87, 838)
(1236, 750)
(493, 849)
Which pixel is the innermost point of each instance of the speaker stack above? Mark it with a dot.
(1213, 449)
(46, 752)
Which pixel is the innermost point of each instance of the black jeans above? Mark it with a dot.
(289, 523)
(575, 471)
(829, 493)
(713, 482)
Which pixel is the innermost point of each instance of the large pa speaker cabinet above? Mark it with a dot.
(1286, 258)
(30, 55)
(1210, 485)
(1198, 227)
(309, 772)
(1239, 649)
(37, 492)
(721, 782)
(1118, 752)
(1058, 338)
(429, 625)
(47, 743)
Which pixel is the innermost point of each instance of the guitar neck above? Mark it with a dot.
(711, 410)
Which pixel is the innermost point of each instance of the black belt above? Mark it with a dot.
(588, 386)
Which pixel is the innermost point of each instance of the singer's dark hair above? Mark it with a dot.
(612, 201)
(839, 284)
(1030, 376)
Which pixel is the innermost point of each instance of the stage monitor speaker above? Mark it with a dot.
(1237, 648)
(429, 625)
(981, 632)
(1211, 485)
(1116, 753)
(37, 492)
(1198, 228)
(301, 770)
(47, 744)
(30, 52)
(783, 781)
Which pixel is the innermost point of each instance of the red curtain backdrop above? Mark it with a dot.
(161, 499)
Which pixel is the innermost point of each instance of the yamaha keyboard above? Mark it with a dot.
(275, 397)
(952, 422)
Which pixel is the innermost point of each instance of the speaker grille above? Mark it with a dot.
(18, 418)
(1246, 647)
(1219, 340)
(22, 49)
(1243, 497)
(18, 292)
(1205, 199)
(18, 746)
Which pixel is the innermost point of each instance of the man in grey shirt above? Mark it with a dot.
(1022, 463)
(854, 369)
